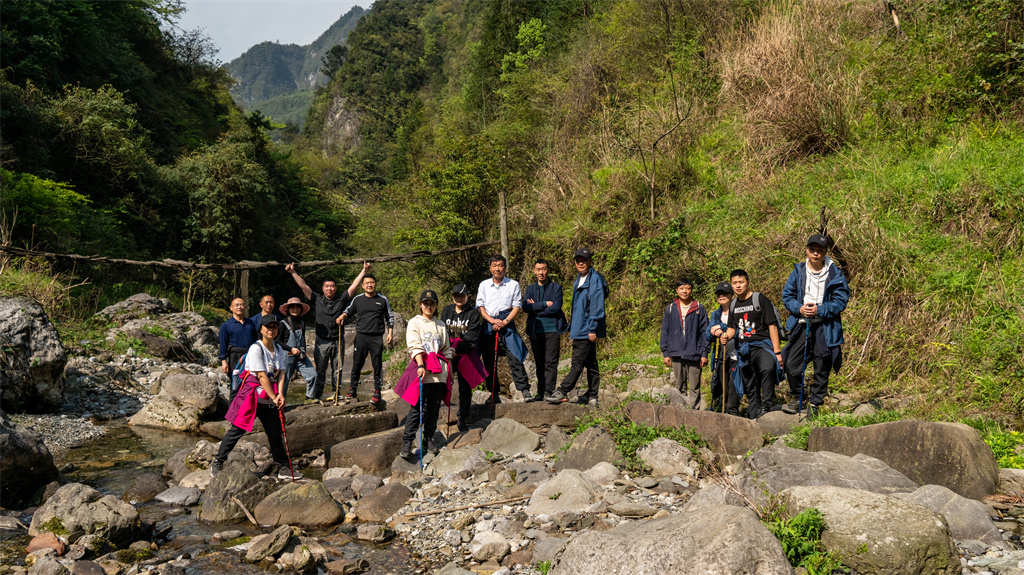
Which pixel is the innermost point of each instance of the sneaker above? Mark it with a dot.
(275, 469)
(463, 427)
(351, 393)
(286, 473)
(539, 396)
(582, 400)
(791, 407)
(433, 448)
(558, 397)
(811, 410)
(592, 402)
(375, 398)
(215, 468)
(406, 452)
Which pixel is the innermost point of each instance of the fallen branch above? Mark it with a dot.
(244, 510)
(465, 507)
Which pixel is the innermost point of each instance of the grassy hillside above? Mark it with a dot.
(684, 138)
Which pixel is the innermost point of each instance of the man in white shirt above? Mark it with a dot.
(500, 301)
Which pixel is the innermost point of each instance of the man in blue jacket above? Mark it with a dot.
(545, 323)
(816, 294)
(586, 325)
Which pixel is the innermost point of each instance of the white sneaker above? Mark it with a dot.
(285, 473)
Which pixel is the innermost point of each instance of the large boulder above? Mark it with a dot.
(931, 453)
(233, 481)
(967, 518)
(724, 433)
(33, 359)
(269, 545)
(719, 541)
(76, 510)
(306, 504)
(509, 437)
(589, 448)
(541, 415)
(372, 453)
(778, 468)
(167, 413)
(315, 426)
(382, 503)
(195, 390)
(569, 491)
(879, 534)
(160, 346)
(23, 455)
(137, 306)
(1011, 481)
(144, 488)
(468, 460)
(666, 458)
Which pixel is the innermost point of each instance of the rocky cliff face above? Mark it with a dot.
(341, 127)
(32, 357)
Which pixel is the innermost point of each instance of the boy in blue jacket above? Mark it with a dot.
(717, 325)
(585, 326)
(683, 345)
(816, 294)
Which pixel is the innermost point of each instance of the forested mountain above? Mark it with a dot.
(119, 138)
(680, 138)
(279, 79)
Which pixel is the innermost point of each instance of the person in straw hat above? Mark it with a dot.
(292, 337)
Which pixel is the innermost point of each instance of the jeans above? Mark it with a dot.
(363, 345)
(546, 349)
(308, 373)
(584, 355)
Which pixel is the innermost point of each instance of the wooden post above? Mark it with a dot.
(243, 287)
(503, 224)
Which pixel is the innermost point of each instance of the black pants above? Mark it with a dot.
(759, 380)
(271, 421)
(546, 349)
(433, 395)
(584, 355)
(325, 358)
(732, 399)
(817, 389)
(363, 345)
(522, 382)
(465, 398)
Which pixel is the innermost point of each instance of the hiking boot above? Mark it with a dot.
(406, 452)
(286, 474)
(582, 400)
(558, 397)
(275, 469)
(592, 402)
(539, 396)
(811, 411)
(375, 398)
(433, 448)
(351, 394)
(463, 427)
(216, 468)
(791, 407)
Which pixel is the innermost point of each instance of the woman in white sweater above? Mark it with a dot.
(427, 339)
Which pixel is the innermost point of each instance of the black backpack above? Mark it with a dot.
(783, 336)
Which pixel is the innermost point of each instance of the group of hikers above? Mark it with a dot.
(463, 343)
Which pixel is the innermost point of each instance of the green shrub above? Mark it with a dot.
(1004, 443)
(800, 537)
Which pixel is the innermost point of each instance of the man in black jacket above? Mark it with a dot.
(463, 321)
(545, 323)
(372, 313)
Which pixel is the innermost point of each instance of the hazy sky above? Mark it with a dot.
(237, 25)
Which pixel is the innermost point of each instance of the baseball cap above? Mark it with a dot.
(818, 240)
(428, 295)
(460, 289)
(723, 287)
(268, 319)
(583, 253)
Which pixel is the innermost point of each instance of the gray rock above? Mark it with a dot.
(710, 497)
(630, 509)
(137, 306)
(569, 491)
(724, 433)
(509, 437)
(665, 457)
(197, 479)
(235, 481)
(589, 448)
(1011, 481)
(646, 383)
(603, 473)
(306, 504)
(268, 545)
(488, 545)
(930, 453)
(32, 378)
(669, 394)
(546, 548)
(452, 569)
(967, 518)
(340, 488)
(778, 423)
(87, 568)
(176, 466)
(372, 453)
(167, 413)
(363, 485)
(899, 537)
(468, 460)
(779, 468)
(529, 473)
(555, 440)
(180, 495)
(24, 455)
(144, 488)
(374, 532)
(198, 391)
(382, 503)
(719, 541)
(80, 509)
(48, 566)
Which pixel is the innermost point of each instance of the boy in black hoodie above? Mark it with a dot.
(683, 343)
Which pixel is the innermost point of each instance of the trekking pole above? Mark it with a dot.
(341, 359)
(423, 440)
(803, 370)
(494, 380)
(287, 451)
